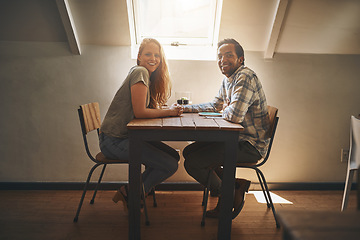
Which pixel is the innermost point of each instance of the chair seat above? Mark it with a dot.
(100, 157)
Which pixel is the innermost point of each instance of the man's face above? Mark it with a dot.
(228, 60)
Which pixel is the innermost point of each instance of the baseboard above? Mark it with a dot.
(173, 186)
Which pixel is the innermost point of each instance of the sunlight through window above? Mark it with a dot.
(259, 195)
(187, 29)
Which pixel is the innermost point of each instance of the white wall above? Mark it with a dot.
(42, 85)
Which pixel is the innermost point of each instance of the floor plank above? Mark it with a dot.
(49, 215)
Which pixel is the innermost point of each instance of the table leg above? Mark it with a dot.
(227, 188)
(134, 187)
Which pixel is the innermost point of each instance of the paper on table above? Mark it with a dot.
(210, 114)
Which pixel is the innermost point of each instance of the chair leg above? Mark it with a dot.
(205, 198)
(269, 197)
(147, 222)
(263, 190)
(204, 193)
(97, 185)
(152, 192)
(84, 191)
(154, 197)
(349, 179)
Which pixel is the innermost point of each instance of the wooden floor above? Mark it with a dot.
(49, 215)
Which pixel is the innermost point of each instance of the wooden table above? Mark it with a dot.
(315, 225)
(188, 127)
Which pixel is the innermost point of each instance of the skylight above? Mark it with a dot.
(187, 29)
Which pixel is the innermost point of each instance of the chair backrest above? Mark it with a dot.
(271, 132)
(89, 116)
(272, 116)
(355, 142)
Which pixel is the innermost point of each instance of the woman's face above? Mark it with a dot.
(150, 57)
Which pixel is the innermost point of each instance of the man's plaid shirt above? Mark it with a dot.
(247, 107)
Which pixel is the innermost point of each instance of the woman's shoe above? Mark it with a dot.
(121, 195)
(214, 213)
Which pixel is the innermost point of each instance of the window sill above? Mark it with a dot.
(201, 53)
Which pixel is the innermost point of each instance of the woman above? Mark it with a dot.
(142, 95)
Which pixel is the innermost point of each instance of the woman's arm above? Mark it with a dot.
(138, 100)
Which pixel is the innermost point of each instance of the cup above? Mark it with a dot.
(183, 98)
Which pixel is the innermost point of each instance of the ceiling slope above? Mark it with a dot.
(268, 26)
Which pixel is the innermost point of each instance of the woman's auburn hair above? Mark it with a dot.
(160, 84)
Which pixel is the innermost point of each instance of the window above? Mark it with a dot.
(187, 29)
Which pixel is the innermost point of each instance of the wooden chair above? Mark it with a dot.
(255, 166)
(89, 115)
(354, 158)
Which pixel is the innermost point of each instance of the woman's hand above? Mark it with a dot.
(176, 110)
(138, 101)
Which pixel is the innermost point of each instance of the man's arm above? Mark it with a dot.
(203, 107)
(214, 106)
(241, 99)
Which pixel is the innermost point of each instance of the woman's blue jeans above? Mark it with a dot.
(160, 160)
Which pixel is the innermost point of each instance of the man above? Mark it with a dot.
(241, 100)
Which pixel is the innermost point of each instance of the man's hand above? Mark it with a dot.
(226, 103)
